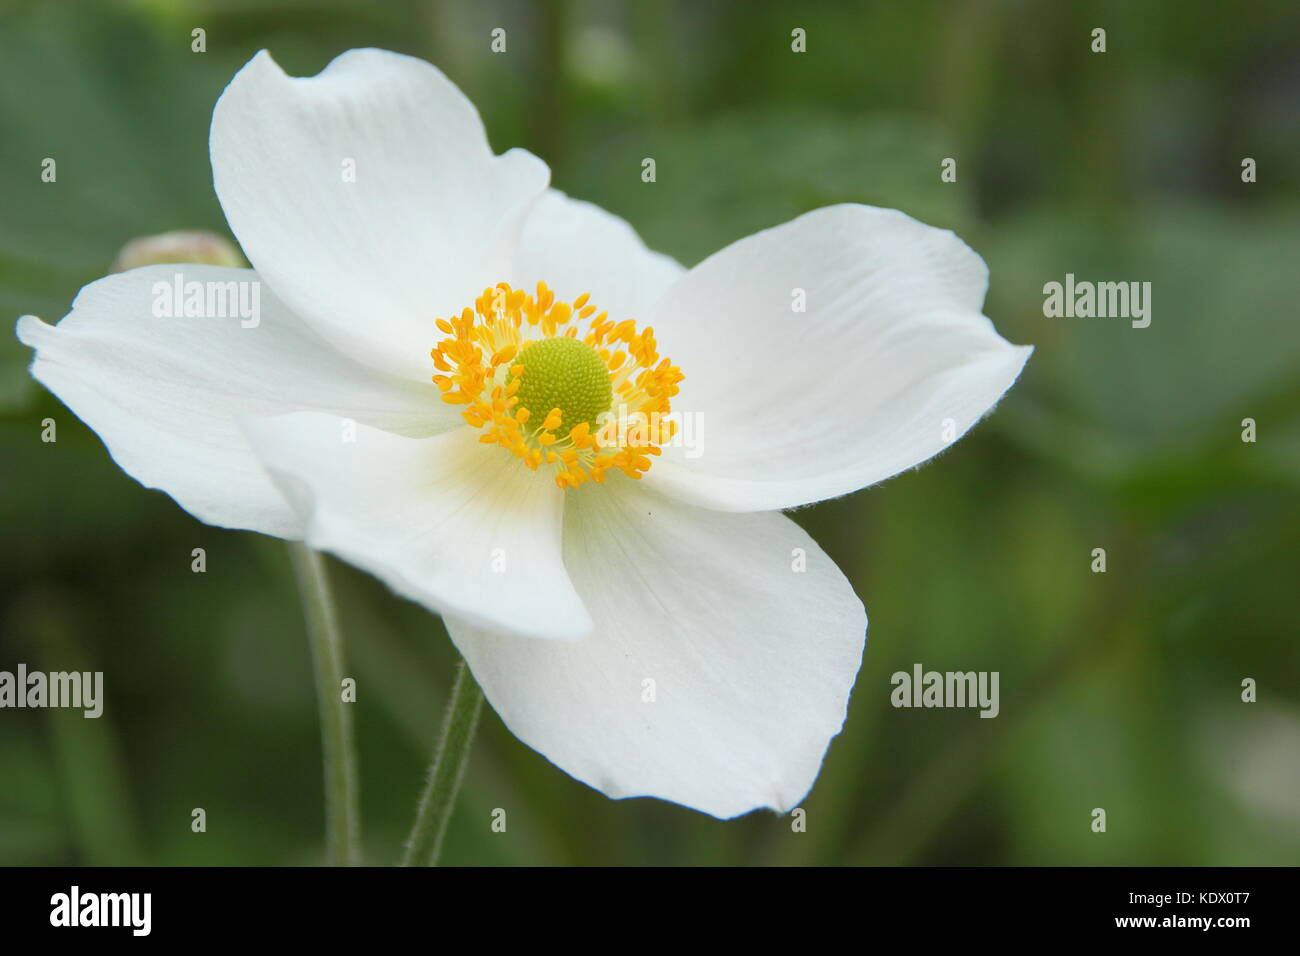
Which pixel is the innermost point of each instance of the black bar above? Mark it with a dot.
(213, 905)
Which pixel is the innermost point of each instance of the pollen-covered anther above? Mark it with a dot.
(558, 384)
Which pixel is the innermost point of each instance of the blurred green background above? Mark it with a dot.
(1119, 690)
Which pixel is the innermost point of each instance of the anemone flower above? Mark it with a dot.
(498, 401)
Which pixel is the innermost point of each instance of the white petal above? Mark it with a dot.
(447, 521)
(368, 197)
(577, 247)
(890, 362)
(163, 393)
(751, 661)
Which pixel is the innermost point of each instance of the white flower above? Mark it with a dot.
(674, 636)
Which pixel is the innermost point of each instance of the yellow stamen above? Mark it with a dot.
(604, 396)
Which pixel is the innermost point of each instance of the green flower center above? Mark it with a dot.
(566, 374)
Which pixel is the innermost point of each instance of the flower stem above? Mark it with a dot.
(446, 772)
(342, 796)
